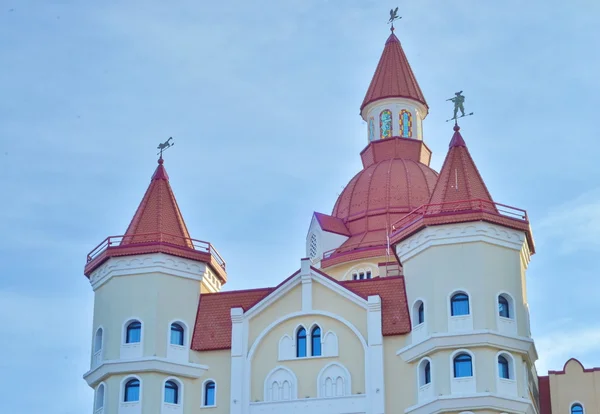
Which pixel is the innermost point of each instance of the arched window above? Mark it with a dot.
(421, 314)
(503, 307)
(463, 366)
(132, 391)
(503, 367)
(576, 409)
(459, 304)
(301, 343)
(424, 372)
(134, 332)
(315, 338)
(405, 123)
(177, 334)
(209, 393)
(385, 124)
(171, 392)
(371, 129)
(98, 341)
(99, 399)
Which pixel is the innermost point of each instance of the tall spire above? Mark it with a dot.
(459, 178)
(393, 77)
(158, 214)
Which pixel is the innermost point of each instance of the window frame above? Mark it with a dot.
(422, 372)
(126, 325)
(297, 339)
(312, 340)
(98, 351)
(124, 383)
(453, 300)
(454, 360)
(207, 382)
(178, 391)
(503, 367)
(96, 408)
(573, 405)
(183, 327)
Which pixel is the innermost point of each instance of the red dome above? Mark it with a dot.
(379, 195)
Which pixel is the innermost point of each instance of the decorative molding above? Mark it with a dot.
(148, 364)
(436, 342)
(349, 404)
(461, 233)
(478, 401)
(147, 263)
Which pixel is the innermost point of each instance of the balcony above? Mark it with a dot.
(128, 245)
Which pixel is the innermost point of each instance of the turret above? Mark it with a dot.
(147, 284)
(464, 258)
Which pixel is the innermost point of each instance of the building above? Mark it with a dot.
(411, 299)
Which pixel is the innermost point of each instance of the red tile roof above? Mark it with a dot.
(393, 76)
(459, 178)
(332, 224)
(158, 213)
(213, 320)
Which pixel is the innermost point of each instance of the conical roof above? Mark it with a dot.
(459, 178)
(393, 77)
(158, 217)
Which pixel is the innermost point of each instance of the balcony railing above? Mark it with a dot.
(459, 207)
(148, 239)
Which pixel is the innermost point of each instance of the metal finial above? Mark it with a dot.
(393, 17)
(164, 146)
(459, 105)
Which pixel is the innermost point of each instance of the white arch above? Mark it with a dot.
(100, 392)
(95, 348)
(329, 344)
(511, 365)
(415, 311)
(206, 381)
(279, 375)
(451, 295)
(363, 266)
(186, 331)
(179, 389)
(462, 351)
(512, 314)
(334, 368)
(124, 329)
(421, 371)
(124, 381)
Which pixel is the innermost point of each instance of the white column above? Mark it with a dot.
(237, 360)
(375, 380)
(306, 278)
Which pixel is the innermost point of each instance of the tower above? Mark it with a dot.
(147, 284)
(352, 242)
(464, 258)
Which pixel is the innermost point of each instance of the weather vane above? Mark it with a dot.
(459, 105)
(164, 146)
(393, 17)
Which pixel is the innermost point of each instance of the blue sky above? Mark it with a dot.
(263, 100)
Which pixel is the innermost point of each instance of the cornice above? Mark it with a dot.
(479, 401)
(149, 364)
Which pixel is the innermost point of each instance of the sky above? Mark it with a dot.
(262, 99)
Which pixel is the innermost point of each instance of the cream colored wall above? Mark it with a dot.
(400, 377)
(154, 298)
(288, 303)
(219, 370)
(482, 269)
(575, 386)
(265, 359)
(324, 299)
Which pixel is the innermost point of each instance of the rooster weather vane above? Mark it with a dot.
(164, 146)
(393, 17)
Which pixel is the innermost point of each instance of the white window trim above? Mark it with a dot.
(463, 351)
(124, 381)
(576, 402)
(415, 312)
(99, 410)
(295, 343)
(268, 383)
(94, 352)
(179, 391)
(124, 332)
(361, 267)
(186, 330)
(309, 339)
(202, 403)
(451, 295)
(421, 363)
(511, 366)
(347, 380)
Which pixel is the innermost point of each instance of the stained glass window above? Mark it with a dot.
(405, 124)
(371, 129)
(385, 124)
